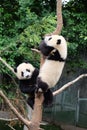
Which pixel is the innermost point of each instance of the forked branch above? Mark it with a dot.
(25, 121)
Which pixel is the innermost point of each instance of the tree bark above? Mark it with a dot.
(37, 113)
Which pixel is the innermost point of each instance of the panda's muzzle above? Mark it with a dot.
(27, 76)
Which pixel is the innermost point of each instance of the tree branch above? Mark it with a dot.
(5, 119)
(25, 121)
(69, 84)
(37, 113)
(10, 127)
(59, 18)
(7, 65)
(36, 50)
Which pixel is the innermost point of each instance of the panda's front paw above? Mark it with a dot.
(39, 90)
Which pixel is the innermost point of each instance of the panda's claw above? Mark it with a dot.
(40, 90)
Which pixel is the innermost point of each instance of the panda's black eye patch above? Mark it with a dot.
(50, 38)
(22, 74)
(28, 70)
(58, 41)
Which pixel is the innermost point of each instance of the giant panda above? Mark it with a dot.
(54, 47)
(27, 75)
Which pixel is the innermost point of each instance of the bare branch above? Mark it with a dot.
(11, 127)
(42, 60)
(36, 50)
(5, 119)
(59, 18)
(69, 84)
(38, 102)
(25, 121)
(7, 65)
(37, 113)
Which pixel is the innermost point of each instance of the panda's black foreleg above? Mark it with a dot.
(30, 102)
(48, 98)
(26, 88)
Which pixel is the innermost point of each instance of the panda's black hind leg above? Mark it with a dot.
(30, 102)
(48, 98)
(42, 85)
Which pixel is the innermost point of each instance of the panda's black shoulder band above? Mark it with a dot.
(56, 57)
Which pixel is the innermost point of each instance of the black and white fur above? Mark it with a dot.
(27, 75)
(55, 48)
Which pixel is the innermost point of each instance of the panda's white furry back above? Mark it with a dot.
(55, 48)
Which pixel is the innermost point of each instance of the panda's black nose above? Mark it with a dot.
(27, 76)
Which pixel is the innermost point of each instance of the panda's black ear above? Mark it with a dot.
(15, 70)
(42, 38)
(59, 41)
(26, 62)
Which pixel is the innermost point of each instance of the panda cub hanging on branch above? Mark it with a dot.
(54, 47)
(27, 76)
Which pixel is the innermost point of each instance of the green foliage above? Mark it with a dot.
(31, 37)
(27, 31)
(76, 28)
(20, 30)
(77, 6)
(8, 17)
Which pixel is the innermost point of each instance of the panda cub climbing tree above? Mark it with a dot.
(54, 47)
(27, 75)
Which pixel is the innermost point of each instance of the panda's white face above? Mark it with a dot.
(55, 41)
(24, 71)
